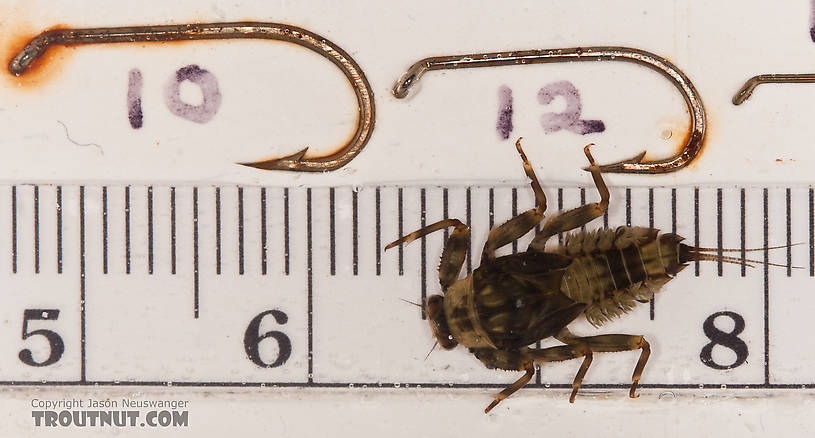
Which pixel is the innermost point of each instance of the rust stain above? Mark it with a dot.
(680, 134)
(43, 71)
(55, 60)
(53, 63)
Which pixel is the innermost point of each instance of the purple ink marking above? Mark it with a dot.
(134, 109)
(812, 20)
(504, 124)
(202, 113)
(569, 119)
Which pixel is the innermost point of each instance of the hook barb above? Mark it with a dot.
(231, 30)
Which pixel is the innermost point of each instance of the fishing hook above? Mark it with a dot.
(235, 30)
(633, 165)
(750, 85)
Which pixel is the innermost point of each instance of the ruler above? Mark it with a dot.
(245, 286)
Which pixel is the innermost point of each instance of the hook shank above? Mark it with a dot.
(664, 67)
(234, 30)
(750, 85)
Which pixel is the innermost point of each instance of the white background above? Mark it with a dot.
(278, 98)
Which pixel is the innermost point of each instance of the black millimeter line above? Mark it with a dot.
(423, 219)
(719, 233)
(36, 229)
(127, 229)
(766, 289)
(514, 213)
(195, 264)
(150, 255)
(82, 300)
(264, 242)
(789, 232)
(743, 233)
(651, 302)
(59, 229)
(469, 214)
(286, 261)
(401, 231)
(172, 232)
(378, 220)
(811, 232)
(355, 230)
(217, 230)
(14, 229)
(696, 227)
(332, 230)
(104, 229)
(309, 286)
(241, 236)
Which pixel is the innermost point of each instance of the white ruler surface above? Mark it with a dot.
(238, 286)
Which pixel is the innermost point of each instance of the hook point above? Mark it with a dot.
(283, 163)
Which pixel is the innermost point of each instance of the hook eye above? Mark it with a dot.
(750, 85)
(214, 31)
(661, 65)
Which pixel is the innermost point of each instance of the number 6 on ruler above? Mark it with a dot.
(252, 338)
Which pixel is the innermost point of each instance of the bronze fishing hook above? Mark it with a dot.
(750, 85)
(633, 165)
(235, 30)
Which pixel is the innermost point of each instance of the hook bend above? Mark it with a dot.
(661, 65)
(233, 30)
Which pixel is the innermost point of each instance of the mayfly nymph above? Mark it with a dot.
(511, 302)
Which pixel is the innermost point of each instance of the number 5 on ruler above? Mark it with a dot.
(57, 346)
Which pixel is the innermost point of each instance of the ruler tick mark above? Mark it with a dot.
(743, 234)
(82, 269)
(241, 267)
(104, 229)
(445, 207)
(789, 232)
(172, 231)
(59, 229)
(401, 231)
(719, 233)
(492, 208)
(582, 203)
(469, 214)
(628, 206)
(264, 242)
(651, 302)
(766, 289)
(378, 220)
(696, 227)
(673, 210)
(150, 258)
(36, 229)
(195, 264)
(560, 210)
(218, 230)
(309, 286)
(286, 230)
(423, 220)
(811, 232)
(127, 229)
(14, 229)
(514, 213)
(332, 245)
(355, 229)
